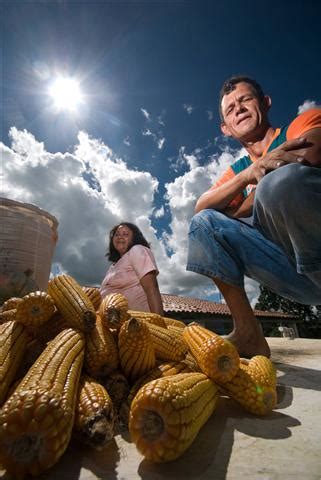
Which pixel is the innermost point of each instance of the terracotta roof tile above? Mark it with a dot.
(177, 303)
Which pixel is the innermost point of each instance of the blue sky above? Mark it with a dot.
(147, 134)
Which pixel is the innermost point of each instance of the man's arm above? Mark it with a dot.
(305, 150)
(312, 153)
(244, 210)
(219, 197)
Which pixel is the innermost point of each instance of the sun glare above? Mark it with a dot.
(66, 94)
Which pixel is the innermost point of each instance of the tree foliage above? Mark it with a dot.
(309, 316)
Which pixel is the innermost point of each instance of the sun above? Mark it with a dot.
(66, 94)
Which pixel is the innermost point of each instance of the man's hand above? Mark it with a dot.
(244, 210)
(291, 151)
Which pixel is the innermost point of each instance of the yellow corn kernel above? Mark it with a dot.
(101, 353)
(35, 309)
(162, 370)
(113, 310)
(72, 302)
(136, 349)
(8, 316)
(11, 303)
(168, 345)
(216, 357)
(254, 385)
(167, 414)
(95, 416)
(148, 317)
(31, 443)
(93, 294)
(13, 344)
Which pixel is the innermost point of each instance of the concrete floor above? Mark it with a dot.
(232, 445)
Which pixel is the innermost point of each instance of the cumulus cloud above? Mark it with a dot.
(92, 189)
(62, 184)
(306, 105)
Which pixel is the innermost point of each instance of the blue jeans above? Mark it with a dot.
(282, 250)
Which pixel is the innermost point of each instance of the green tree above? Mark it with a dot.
(309, 316)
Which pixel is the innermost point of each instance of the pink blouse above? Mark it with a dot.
(124, 277)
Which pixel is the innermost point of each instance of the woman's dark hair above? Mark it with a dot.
(138, 239)
(229, 85)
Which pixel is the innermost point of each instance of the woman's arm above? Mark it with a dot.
(150, 286)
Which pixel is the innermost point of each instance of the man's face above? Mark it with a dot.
(243, 113)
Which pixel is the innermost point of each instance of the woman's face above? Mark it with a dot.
(123, 239)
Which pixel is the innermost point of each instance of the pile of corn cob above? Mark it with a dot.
(74, 365)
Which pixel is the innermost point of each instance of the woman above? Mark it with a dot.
(133, 272)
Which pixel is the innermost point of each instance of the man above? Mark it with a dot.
(279, 182)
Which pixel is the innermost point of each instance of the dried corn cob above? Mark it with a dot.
(176, 329)
(254, 385)
(167, 414)
(8, 316)
(35, 309)
(178, 333)
(117, 386)
(191, 362)
(101, 353)
(174, 322)
(13, 342)
(36, 421)
(216, 357)
(136, 349)
(168, 347)
(94, 296)
(94, 420)
(72, 302)
(163, 370)
(113, 310)
(150, 317)
(11, 303)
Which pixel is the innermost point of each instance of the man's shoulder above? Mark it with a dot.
(304, 122)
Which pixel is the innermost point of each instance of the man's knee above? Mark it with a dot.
(206, 219)
(281, 184)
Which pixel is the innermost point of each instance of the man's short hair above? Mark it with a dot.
(229, 85)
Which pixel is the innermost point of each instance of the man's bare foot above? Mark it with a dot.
(249, 345)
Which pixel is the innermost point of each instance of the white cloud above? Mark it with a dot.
(306, 105)
(146, 132)
(184, 160)
(145, 113)
(158, 138)
(126, 141)
(159, 212)
(188, 108)
(210, 114)
(160, 143)
(57, 183)
(62, 184)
